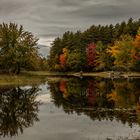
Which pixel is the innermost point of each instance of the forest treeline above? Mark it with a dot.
(99, 48)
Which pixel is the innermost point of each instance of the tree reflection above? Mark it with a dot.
(90, 92)
(18, 110)
(99, 98)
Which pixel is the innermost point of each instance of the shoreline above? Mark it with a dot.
(106, 74)
(36, 77)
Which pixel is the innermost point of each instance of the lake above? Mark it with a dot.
(70, 108)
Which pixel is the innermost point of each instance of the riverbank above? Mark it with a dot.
(22, 79)
(36, 77)
(107, 74)
(111, 74)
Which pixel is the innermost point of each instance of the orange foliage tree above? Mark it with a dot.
(63, 57)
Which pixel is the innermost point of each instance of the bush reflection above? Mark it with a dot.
(18, 109)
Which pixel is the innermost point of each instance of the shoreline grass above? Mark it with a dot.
(106, 74)
(37, 77)
(11, 80)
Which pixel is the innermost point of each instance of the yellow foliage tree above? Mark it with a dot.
(121, 52)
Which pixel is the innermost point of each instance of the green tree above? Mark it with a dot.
(17, 47)
(53, 58)
(103, 59)
(75, 61)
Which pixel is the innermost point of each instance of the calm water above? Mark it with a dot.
(71, 109)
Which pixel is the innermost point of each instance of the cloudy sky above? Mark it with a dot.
(48, 19)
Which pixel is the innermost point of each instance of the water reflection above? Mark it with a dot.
(18, 109)
(99, 98)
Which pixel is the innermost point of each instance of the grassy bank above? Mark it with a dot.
(110, 74)
(106, 74)
(21, 79)
(31, 77)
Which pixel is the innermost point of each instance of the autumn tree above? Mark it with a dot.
(63, 57)
(91, 55)
(121, 52)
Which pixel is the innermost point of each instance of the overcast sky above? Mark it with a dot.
(48, 19)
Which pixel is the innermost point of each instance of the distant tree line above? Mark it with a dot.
(99, 48)
(18, 50)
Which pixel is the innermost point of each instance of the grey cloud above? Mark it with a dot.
(43, 50)
(51, 18)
